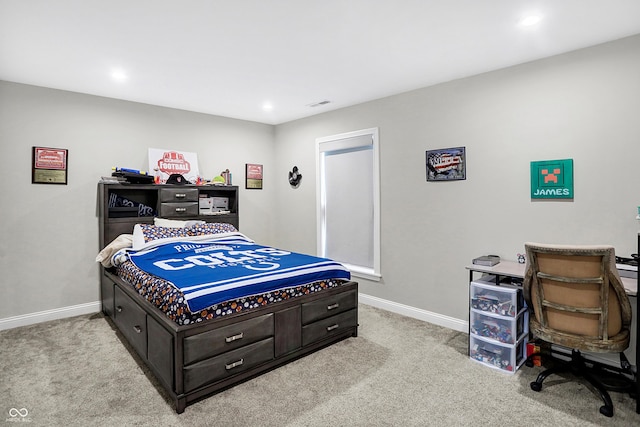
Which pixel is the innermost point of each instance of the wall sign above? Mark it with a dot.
(164, 163)
(552, 179)
(253, 177)
(448, 164)
(49, 165)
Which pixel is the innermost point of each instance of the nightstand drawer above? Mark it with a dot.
(178, 209)
(227, 364)
(178, 195)
(212, 343)
(329, 306)
(330, 326)
(132, 321)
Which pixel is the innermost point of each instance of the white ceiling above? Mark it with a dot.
(230, 57)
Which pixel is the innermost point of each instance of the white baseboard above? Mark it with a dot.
(95, 307)
(45, 316)
(416, 313)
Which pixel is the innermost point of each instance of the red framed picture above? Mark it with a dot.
(49, 165)
(253, 180)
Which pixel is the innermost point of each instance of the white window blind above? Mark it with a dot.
(348, 203)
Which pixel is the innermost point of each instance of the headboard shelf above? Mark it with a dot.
(121, 206)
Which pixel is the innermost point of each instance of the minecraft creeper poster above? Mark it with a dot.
(552, 179)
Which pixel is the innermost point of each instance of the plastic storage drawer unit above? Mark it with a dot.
(503, 357)
(498, 323)
(505, 300)
(499, 328)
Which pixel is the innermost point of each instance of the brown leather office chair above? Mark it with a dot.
(576, 300)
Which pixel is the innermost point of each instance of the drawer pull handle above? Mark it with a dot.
(137, 328)
(234, 337)
(234, 364)
(332, 327)
(180, 195)
(119, 309)
(332, 306)
(181, 209)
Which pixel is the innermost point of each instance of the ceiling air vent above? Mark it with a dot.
(317, 104)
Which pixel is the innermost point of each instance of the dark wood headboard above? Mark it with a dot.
(122, 206)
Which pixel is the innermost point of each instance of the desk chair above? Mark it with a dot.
(576, 300)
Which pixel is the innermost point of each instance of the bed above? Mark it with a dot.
(201, 337)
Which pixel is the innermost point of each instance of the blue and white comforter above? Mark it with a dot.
(230, 266)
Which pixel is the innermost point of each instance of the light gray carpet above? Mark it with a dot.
(398, 372)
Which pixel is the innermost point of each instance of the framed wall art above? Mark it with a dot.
(552, 179)
(446, 164)
(253, 176)
(164, 163)
(49, 165)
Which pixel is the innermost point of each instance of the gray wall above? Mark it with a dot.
(583, 105)
(50, 232)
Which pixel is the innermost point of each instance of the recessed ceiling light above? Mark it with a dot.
(267, 106)
(119, 75)
(530, 20)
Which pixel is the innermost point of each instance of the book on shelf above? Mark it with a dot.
(487, 260)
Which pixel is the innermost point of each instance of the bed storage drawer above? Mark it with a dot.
(178, 195)
(189, 209)
(217, 341)
(329, 306)
(106, 295)
(160, 350)
(333, 325)
(131, 320)
(227, 364)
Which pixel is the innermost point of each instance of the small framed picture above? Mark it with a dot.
(253, 176)
(446, 164)
(49, 165)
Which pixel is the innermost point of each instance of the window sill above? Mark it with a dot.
(365, 273)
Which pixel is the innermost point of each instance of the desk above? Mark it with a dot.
(514, 269)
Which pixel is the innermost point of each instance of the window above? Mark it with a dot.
(349, 201)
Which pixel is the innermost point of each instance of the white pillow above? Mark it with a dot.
(174, 223)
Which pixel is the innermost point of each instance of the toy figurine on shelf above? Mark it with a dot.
(227, 176)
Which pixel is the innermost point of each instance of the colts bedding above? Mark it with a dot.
(198, 277)
(231, 266)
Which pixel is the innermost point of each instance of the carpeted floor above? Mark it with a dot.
(398, 372)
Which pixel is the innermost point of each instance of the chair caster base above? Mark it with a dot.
(607, 411)
(535, 386)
